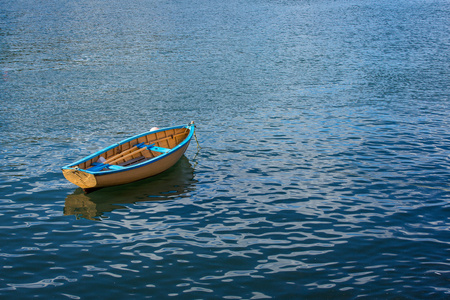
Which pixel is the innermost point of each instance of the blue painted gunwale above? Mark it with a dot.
(99, 173)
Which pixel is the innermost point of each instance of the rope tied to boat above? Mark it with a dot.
(198, 145)
(195, 135)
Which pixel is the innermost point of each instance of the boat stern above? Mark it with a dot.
(79, 177)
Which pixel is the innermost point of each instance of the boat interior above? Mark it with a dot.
(136, 151)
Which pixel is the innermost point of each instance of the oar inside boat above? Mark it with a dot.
(109, 164)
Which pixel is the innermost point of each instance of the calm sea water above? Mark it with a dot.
(324, 162)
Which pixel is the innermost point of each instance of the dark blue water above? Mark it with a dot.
(324, 167)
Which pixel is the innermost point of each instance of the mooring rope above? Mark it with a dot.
(196, 140)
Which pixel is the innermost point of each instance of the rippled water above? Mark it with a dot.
(324, 161)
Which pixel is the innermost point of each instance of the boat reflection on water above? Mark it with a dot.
(173, 183)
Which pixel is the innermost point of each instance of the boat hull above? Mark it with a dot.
(87, 179)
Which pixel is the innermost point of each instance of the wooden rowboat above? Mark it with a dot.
(133, 159)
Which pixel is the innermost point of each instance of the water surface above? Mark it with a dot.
(324, 161)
